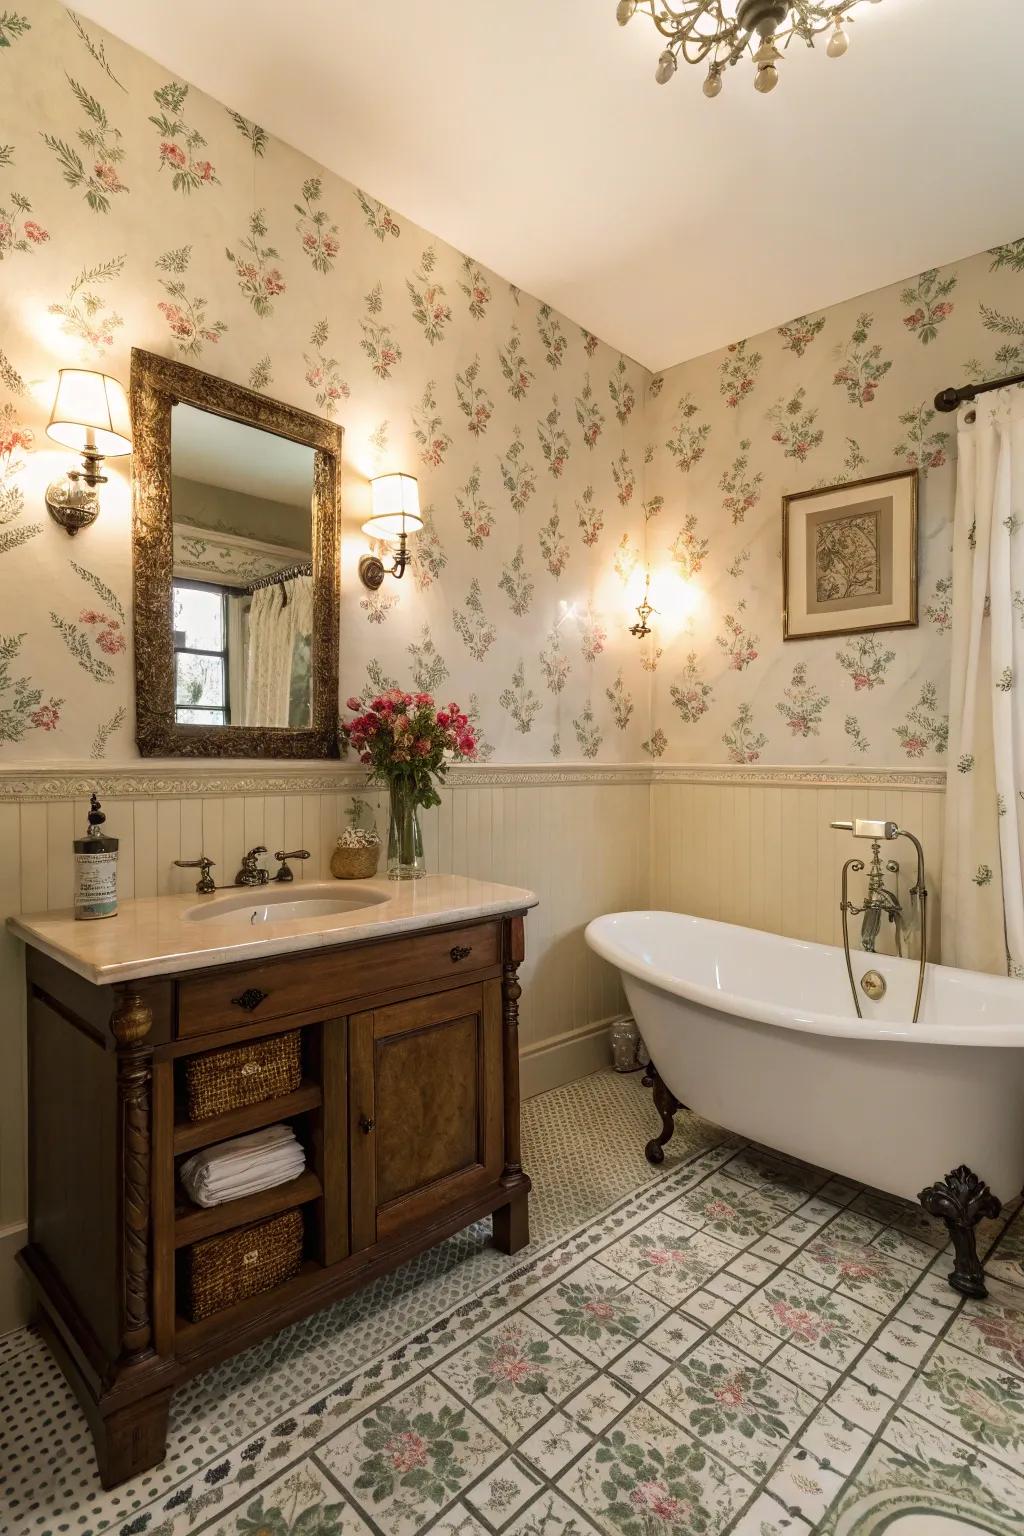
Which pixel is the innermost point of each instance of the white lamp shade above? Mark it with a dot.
(90, 411)
(395, 500)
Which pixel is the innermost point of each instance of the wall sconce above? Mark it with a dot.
(395, 499)
(90, 415)
(643, 612)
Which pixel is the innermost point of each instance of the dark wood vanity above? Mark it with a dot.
(408, 1109)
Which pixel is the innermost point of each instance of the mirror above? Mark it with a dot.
(236, 558)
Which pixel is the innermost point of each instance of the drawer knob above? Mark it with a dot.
(250, 998)
(366, 1124)
(460, 951)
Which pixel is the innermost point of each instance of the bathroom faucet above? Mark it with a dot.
(250, 872)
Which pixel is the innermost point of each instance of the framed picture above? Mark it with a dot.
(849, 557)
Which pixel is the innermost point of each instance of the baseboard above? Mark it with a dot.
(564, 1059)
(15, 1297)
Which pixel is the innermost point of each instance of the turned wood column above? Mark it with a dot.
(511, 992)
(130, 1024)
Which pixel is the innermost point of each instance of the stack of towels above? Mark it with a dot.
(243, 1166)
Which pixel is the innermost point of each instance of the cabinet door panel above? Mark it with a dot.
(426, 1109)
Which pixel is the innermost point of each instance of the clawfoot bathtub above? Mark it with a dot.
(757, 1033)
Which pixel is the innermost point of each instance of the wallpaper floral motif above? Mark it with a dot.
(824, 399)
(136, 211)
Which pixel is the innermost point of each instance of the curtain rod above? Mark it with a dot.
(950, 399)
(287, 573)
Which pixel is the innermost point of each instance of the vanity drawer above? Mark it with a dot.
(319, 978)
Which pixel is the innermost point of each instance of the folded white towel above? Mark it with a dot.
(243, 1166)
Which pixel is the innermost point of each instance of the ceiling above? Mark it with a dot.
(213, 450)
(531, 134)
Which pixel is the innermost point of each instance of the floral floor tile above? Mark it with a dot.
(807, 1371)
(836, 1443)
(859, 1404)
(514, 1374)
(767, 1517)
(595, 1312)
(993, 1329)
(903, 1216)
(674, 1336)
(550, 1515)
(917, 1470)
(782, 1175)
(504, 1491)
(844, 1256)
(753, 1269)
(730, 1287)
(646, 1476)
(300, 1503)
(818, 1321)
(773, 1249)
(839, 1191)
(555, 1444)
(409, 1458)
(918, 1312)
(1007, 1262)
(730, 1210)
(598, 1404)
(972, 1399)
(907, 1341)
(739, 1409)
(638, 1369)
(706, 1308)
(459, 1521)
(883, 1370)
(668, 1259)
(804, 1486)
(748, 1336)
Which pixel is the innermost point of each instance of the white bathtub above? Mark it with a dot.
(758, 1033)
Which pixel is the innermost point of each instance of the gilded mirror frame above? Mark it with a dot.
(157, 385)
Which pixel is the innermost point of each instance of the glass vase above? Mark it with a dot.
(405, 837)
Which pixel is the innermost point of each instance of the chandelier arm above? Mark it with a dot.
(680, 21)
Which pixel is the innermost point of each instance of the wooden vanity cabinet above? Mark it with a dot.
(408, 1109)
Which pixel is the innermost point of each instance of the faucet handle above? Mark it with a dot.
(205, 883)
(285, 874)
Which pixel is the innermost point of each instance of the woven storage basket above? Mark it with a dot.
(223, 1270)
(227, 1079)
(355, 863)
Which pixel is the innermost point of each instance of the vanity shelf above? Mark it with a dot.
(408, 1110)
(193, 1222)
(192, 1135)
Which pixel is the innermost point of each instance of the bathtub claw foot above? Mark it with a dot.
(961, 1201)
(666, 1104)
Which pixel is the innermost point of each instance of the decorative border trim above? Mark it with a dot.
(845, 776)
(172, 781)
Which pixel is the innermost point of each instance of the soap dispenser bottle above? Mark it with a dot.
(95, 869)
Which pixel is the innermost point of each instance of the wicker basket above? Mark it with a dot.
(237, 1075)
(355, 863)
(226, 1269)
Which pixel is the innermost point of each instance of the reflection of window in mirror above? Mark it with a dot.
(243, 588)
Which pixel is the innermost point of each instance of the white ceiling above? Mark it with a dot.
(531, 134)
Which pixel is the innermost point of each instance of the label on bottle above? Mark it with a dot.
(95, 885)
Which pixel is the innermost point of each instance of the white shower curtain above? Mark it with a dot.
(982, 882)
(274, 629)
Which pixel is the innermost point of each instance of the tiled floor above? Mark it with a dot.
(735, 1343)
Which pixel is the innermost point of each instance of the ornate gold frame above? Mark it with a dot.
(157, 383)
(854, 485)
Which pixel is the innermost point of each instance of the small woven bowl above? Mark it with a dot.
(355, 863)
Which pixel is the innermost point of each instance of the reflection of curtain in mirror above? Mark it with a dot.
(238, 624)
(274, 634)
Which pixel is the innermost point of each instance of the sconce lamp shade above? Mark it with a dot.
(396, 506)
(90, 414)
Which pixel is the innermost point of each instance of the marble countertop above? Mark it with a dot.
(159, 935)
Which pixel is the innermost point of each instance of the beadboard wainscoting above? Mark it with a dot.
(755, 845)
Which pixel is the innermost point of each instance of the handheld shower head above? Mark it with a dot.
(873, 830)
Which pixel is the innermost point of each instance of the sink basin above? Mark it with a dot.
(262, 904)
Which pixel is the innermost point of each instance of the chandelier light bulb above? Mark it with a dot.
(713, 82)
(624, 11)
(837, 43)
(766, 79)
(666, 67)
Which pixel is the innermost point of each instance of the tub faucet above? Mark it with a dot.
(880, 901)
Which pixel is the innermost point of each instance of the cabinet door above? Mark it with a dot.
(426, 1108)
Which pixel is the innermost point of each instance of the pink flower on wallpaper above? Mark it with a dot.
(46, 717)
(12, 438)
(35, 232)
(173, 154)
(111, 641)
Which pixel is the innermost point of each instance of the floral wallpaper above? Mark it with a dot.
(136, 211)
(829, 397)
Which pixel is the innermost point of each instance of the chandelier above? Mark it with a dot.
(720, 32)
